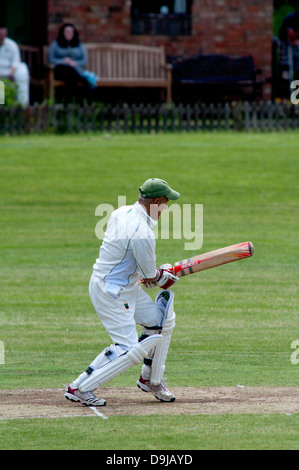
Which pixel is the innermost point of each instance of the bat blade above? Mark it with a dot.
(214, 258)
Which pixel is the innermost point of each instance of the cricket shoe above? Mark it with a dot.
(86, 398)
(159, 391)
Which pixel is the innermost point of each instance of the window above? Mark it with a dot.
(161, 17)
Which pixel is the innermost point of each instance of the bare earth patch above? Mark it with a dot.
(51, 403)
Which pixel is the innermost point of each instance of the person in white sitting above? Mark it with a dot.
(12, 67)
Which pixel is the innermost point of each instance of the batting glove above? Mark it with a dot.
(166, 278)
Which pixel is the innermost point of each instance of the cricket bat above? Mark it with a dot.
(212, 259)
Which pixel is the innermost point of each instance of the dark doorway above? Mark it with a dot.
(26, 20)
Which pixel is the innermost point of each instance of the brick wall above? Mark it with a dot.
(96, 20)
(232, 27)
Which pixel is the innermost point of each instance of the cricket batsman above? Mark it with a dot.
(127, 255)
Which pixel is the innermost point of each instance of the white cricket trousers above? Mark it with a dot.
(22, 79)
(120, 315)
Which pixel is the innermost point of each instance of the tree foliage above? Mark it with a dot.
(289, 3)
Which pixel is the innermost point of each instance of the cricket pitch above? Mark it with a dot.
(51, 403)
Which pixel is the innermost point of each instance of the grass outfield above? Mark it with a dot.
(235, 324)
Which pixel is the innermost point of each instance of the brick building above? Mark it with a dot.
(187, 27)
(184, 27)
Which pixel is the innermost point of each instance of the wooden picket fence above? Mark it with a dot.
(57, 118)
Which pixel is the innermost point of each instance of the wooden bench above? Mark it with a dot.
(216, 72)
(122, 65)
(32, 57)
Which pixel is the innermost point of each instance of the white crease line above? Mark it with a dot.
(96, 411)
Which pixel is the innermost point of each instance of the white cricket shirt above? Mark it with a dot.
(128, 249)
(9, 56)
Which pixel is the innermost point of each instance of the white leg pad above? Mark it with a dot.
(119, 365)
(161, 350)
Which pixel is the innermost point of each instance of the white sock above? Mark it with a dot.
(146, 372)
(79, 380)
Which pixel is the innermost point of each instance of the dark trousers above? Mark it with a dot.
(71, 78)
